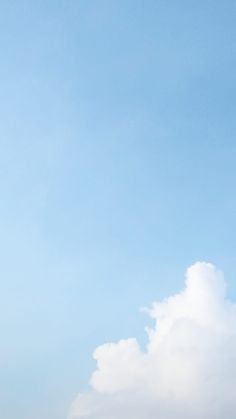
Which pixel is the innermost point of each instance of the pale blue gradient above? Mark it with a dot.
(118, 170)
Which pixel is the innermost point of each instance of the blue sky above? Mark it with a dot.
(117, 164)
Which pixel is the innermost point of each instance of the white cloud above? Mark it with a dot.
(187, 369)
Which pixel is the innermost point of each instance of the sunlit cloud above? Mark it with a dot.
(188, 367)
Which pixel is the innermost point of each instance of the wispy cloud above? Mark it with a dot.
(188, 367)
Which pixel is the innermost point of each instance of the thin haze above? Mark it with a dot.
(117, 159)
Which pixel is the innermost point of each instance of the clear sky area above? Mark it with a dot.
(117, 172)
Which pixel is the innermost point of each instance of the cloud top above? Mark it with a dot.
(188, 367)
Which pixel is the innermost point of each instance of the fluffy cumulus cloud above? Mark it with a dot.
(188, 368)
